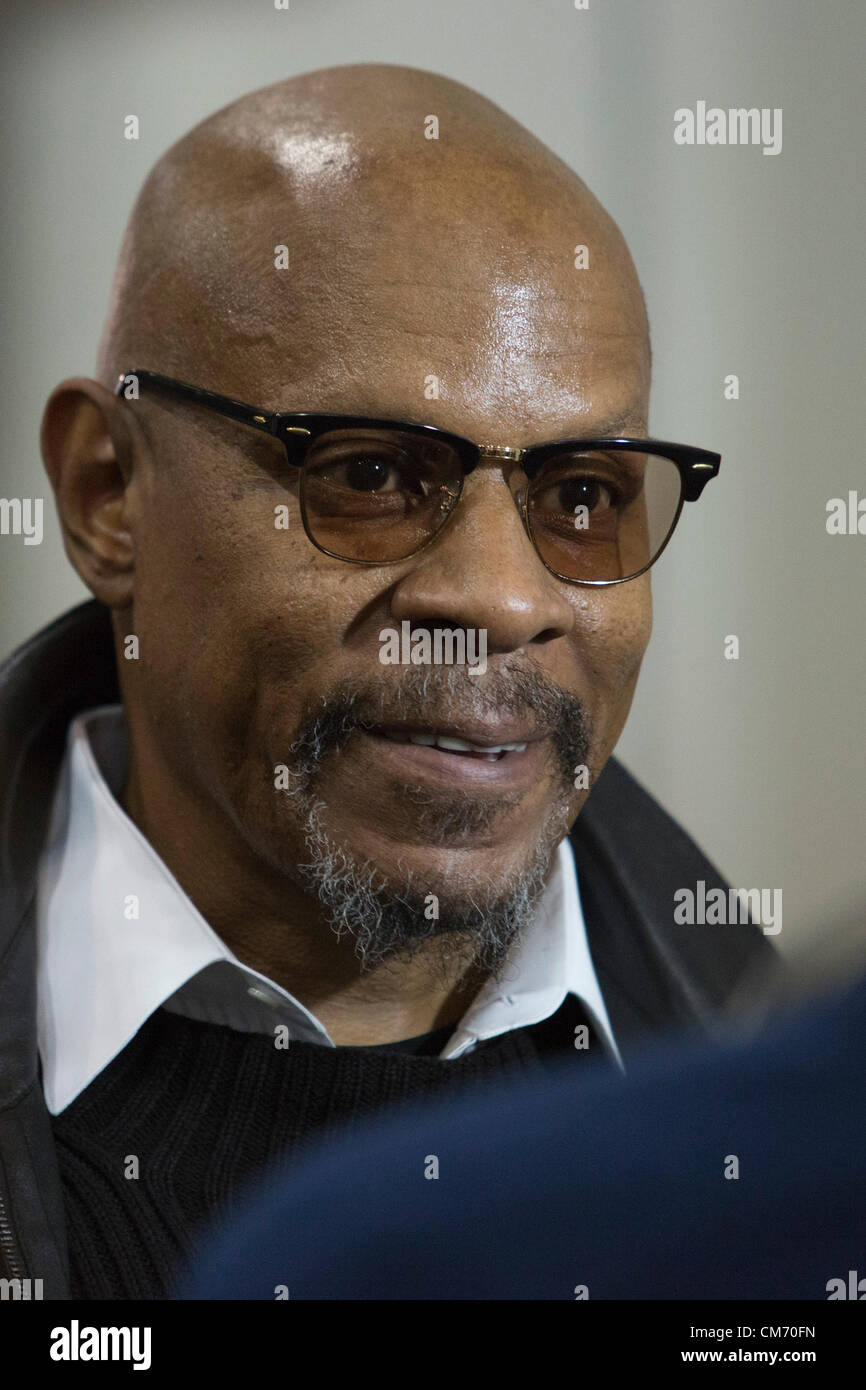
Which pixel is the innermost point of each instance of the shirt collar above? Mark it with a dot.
(551, 959)
(117, 937)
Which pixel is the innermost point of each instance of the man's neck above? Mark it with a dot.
(283, 934)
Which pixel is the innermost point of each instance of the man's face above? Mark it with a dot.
(250, 636)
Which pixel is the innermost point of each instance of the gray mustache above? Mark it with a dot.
(443, 697)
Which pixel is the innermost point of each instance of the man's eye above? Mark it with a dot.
(587, 492)
(367, 473)
(596, 494)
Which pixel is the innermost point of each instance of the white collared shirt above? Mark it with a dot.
(117, 937)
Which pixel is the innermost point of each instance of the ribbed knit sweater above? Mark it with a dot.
(168, 1136)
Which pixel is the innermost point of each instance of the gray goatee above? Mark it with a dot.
(477, 924)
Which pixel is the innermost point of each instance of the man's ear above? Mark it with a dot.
(87, 449)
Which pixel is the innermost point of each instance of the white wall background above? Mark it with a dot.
(751, 264)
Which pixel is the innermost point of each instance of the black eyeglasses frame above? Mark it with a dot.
(296, 430)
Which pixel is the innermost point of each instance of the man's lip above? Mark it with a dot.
(481, 735)
(425, 764)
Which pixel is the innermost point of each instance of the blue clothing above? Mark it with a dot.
(624, 1186)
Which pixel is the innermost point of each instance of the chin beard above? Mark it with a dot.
(478, 919)
(474, 925)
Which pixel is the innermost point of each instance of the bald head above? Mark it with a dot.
(408, 257)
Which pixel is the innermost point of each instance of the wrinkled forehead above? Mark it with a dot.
(467, 286)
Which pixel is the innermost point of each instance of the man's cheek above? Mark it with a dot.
(611, 659)
(610, 664)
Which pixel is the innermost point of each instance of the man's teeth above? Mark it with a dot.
(460, 745)
(452, 745)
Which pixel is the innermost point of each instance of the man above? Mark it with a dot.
(260, 881)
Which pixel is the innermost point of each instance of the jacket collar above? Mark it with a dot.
(61, 670)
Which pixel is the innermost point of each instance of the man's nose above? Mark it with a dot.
(483, 571)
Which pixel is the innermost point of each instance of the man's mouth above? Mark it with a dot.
(471, 754)
(450, 743)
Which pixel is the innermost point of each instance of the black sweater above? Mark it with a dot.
(166, 1138)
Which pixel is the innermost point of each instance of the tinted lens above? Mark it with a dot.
(377, 495)
(603, 515)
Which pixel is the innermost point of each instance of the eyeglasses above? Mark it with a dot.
(372, 492)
